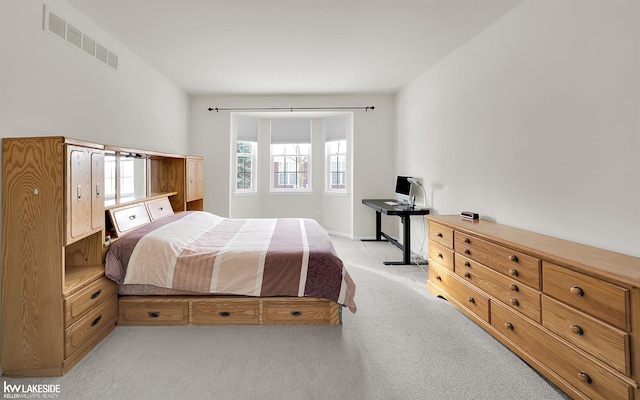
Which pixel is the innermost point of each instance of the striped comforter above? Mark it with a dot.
(203, 253)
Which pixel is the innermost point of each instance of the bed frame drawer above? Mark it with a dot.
(221, 312)
(134, 312)
(299, 311)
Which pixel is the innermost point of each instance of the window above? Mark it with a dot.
(291, 155)
(245, 166)
(336, 154)
(246, 150)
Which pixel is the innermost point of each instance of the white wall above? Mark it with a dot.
(535, 123)
(373, 174)
(48, 87)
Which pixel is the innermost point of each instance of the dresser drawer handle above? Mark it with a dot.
(224, 313)
(472, 300)
(467, 240)
(96, 294)
(95, 321)
(440, 256)
(153, 314)
(467, 275)
(514, 302)
(439, 278)
(514, 287)
(513, 272)
(508, 325)
(577, 329)
(439, 234)
(513, 258)
(577, 291)
(467, 251)
(132, 217)
(467, 264)
(585, 377)
(296, 313)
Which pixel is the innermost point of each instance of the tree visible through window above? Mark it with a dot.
(245, 161)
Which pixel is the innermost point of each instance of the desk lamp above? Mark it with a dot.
(414, 181)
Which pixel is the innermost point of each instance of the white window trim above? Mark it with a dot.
(254, 174)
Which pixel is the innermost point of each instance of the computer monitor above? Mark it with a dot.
(403, 189)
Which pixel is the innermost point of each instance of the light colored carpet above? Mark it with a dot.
(403, 343)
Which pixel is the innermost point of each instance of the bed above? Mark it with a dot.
(195, 267)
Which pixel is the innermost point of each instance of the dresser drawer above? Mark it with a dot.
(159, 208)
(578, 370)
(609, 344)
(81, 302)
(521, 267)
(79, 333)
(464, 294)
(298, 312)
(130, 218)
(441, 235)
(223, 312)
(595, 297)
(512, 293)
(153, 313)
(441, 255)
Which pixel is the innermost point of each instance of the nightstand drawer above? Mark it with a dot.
(81, 302)
(80, 332)
(595, 297)
(519, 266)
(609, 344)
(441, 235)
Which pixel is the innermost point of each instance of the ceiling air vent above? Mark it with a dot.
(64, 30)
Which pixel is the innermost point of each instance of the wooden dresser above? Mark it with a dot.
(570, 311)
(56, 303)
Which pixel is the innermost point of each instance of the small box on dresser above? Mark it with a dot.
(569, 310)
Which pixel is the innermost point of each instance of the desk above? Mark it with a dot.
(405, 213)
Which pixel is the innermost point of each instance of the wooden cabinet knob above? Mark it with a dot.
(513, 258)
(472, 300)
(584, 377)
(467, 275)
(439, 234)
(439, 278)
(467, 251)
(467, 240)
(514, 302)
(508, 325)
(513, 272)
(514, 287)
(467, 264)
(577, 329)
(577, 291)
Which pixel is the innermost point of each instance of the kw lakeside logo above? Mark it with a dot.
(38, 391)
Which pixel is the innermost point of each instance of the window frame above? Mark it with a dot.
(254, 167)
(273, 172)
(328, 166)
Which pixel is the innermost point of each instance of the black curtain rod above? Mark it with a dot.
(292, 109)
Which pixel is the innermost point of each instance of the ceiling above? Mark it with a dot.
(292, 46)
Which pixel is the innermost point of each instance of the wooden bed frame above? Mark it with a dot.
(210, 309)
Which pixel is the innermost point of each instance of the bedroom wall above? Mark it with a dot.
(373, 168)
(49, 87)
(535, 123)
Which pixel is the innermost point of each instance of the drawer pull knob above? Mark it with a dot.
(577, 291)
(96, 294)
(513, 258)
(296, 313)
(224, 313)
(508, 325)
(467, 240)
(514, 287)
(577, 329)
(467, 264)
(467, 275)
(513, 272)
(154, 314)
(472, 300)
(467, 251)
(440, 255)
(132, 217)
(439, 234)
(438, 277)
(95, 321)
(514, 302)
(585, 377)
